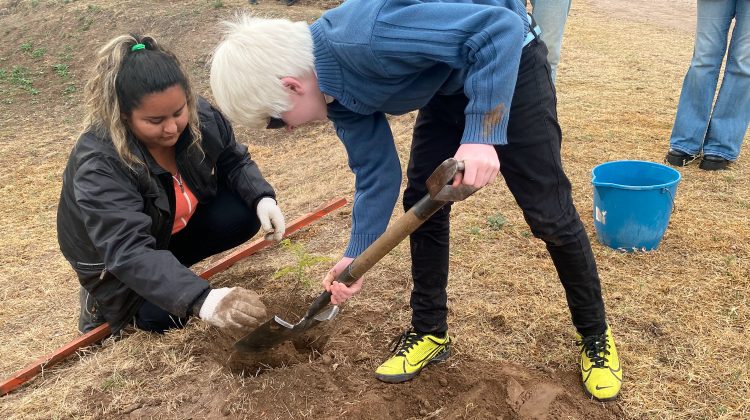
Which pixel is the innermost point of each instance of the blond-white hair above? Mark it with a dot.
(247, 65)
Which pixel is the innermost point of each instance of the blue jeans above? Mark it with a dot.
(696, 128)
(551, 16)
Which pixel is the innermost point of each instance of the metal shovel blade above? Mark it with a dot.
(268, 335)
(275, 331)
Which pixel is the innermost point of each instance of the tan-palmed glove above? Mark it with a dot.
(233, 307)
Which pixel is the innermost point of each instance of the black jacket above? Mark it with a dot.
(114, 224)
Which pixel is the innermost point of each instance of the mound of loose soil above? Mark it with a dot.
(328, 373)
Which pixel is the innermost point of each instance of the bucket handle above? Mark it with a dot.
(671, 197)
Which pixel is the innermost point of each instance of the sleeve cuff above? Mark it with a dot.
(358, 243)
(477, 132)
(195, 307)
(260, 197)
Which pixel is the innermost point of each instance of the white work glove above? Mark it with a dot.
(271, 219)
(233, 307)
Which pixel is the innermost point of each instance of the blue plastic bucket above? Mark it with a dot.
(633, 200)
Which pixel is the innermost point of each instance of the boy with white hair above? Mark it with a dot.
(478, 75)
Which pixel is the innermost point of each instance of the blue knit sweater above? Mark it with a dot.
(377, 57)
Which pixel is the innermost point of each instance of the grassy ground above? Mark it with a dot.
(680, 314)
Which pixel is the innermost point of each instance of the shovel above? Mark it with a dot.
(277, 330)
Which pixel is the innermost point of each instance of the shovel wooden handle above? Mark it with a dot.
(406, 224)
(397, 232)
(392, 236)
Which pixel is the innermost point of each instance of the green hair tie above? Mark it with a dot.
(137, 47)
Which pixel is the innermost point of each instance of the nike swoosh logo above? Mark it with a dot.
(429, 356)
(599, 388)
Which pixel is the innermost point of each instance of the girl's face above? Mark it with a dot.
(160, 118)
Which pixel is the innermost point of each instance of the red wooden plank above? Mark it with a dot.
(101, 332)
(254, 247)
(22, 376)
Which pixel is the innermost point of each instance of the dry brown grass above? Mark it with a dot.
(680, 314)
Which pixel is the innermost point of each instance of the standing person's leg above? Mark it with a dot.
(215, 227)
(551, 16)
(731, 115)
(437, 135)
(699, 86)
(532, 168)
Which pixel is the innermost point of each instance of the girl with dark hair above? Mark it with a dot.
(155, 183)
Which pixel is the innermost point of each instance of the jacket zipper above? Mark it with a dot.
(178, 178)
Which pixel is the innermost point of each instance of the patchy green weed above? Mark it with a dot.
(85, 23)
(19, 76)
(66, 54)
(113, 382)
(61, 70)
(38, 52)
(496, 221)
(27, 47)
(69, 89)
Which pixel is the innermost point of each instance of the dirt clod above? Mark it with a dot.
(326, 359)
(132, 407)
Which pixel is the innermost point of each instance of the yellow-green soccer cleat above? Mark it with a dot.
(600, 366)
(413, 351)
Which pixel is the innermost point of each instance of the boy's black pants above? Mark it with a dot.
(531, 166)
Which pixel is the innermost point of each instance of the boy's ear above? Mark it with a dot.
(293, 84)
